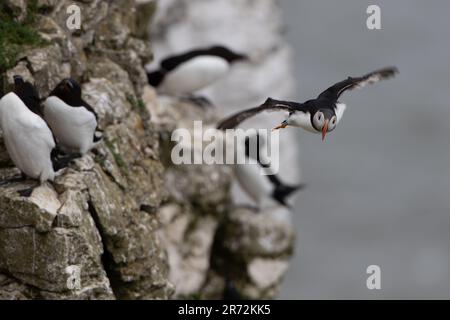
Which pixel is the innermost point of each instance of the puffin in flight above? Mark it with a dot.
(72, 120)
(320, 115)
(191, 71)
(265, 190)
(28, 139)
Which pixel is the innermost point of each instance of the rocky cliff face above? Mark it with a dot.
(123, 222)
(253, 27)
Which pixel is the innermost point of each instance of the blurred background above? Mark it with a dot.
(378, 187)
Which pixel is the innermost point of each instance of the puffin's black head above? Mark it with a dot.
(227, 54)
(27, 93)
(69, 91)
(324, 120)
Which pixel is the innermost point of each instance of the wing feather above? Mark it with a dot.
(335, 91)
(269, 105)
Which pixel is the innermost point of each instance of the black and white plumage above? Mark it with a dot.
(320, 115)
(266, 190)
(72, 120)
(28, 138)
(193, 70)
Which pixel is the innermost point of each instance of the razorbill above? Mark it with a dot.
(190, 71)
(72, 120)
(266, 190)
(320, 115)
(28, 139)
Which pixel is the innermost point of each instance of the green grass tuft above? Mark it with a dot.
(117, 157)
(15, 35)
(137, 104)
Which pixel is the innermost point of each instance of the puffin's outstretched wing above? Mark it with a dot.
(269, 105)
(335, 91)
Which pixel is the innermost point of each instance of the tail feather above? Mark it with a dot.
(155, 78)
(282, 192)
(61, 160)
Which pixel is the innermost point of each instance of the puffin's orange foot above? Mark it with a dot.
(281, 126)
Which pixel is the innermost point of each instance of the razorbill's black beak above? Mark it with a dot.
(242, 57)
(325, 129)
(17, 79)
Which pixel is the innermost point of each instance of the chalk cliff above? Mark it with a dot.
(123, 222)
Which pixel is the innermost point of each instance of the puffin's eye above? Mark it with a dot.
(332, 124)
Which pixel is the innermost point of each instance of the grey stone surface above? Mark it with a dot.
(86, 237)
(252, 251)
(18, 7)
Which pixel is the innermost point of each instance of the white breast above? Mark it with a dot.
(257, 186)
(302, 120)
(73, 127)
(194, 75)
(28, 139)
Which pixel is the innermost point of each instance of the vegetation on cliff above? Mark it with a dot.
(14, 35)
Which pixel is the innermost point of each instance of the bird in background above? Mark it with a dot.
(188, 72)
(28, 139)
(320, 115)
(72, 120)
(265, 190)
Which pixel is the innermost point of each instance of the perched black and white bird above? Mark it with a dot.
(320, 115)
(72, 120)
(266, 190)
(193, 70)
(27, 137)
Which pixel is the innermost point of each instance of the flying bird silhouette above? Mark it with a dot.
(320, 115)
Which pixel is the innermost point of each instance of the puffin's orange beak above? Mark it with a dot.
(325, 129)
(281, 126)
